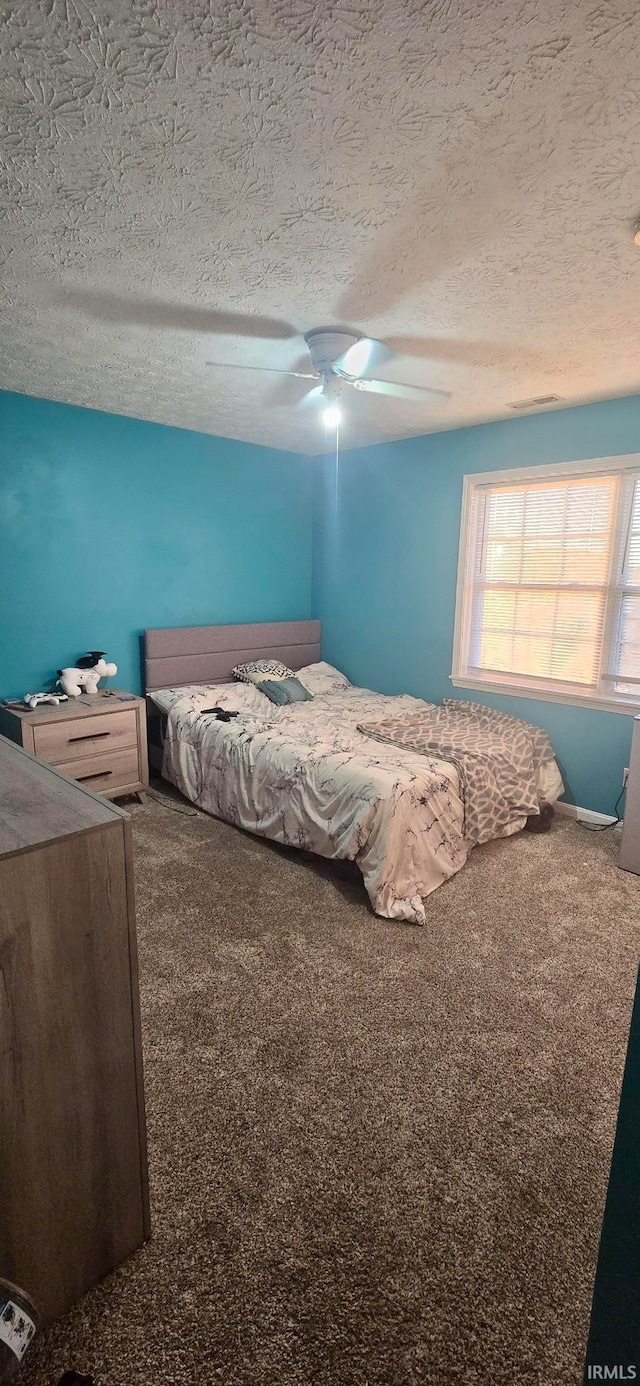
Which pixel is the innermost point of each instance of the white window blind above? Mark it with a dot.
(549, 583)
(625, 661)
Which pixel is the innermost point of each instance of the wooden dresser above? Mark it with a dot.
(98, 739)
(73, 1164)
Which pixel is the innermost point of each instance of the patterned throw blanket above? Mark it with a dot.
(497, 758)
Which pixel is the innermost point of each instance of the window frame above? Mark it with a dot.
(626, 466)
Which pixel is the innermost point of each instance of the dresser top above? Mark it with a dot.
(39, 804)
(87, 705)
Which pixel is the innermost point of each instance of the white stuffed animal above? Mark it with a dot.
(85, 677)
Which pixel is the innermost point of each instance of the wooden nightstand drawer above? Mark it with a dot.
(59, 742)
(94, 739)
(105, 772)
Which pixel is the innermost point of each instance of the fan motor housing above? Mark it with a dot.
(326, 345)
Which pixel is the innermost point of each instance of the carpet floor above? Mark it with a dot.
(378, 1153)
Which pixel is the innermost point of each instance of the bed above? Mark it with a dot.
(306, 775)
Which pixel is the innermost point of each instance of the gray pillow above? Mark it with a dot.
(282, 691)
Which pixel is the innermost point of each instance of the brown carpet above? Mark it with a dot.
(378, 1153)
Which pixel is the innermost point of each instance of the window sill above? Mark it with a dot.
(599, 703)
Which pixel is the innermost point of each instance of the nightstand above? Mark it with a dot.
(96, 739)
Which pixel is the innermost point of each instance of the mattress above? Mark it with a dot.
(303, 775)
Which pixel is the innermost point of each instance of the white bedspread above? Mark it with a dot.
(303, 775)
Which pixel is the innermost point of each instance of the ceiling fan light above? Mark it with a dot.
(332, 416)
(356, 358)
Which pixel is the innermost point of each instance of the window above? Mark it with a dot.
(548, 599)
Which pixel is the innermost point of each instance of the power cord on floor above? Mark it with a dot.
(76, 1379)
(605, 827)
(174, 808)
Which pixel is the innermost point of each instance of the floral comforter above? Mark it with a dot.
(305, 776)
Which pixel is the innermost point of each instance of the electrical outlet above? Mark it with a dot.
(625, 776)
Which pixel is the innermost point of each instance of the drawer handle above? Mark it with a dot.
(89, 736)
(101, 775)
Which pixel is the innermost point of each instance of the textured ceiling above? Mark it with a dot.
(461, 173)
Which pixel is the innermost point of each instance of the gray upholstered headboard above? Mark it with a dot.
(207, 654)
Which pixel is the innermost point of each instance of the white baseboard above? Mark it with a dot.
(583, 814)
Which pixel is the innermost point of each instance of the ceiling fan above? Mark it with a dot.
(340, 358)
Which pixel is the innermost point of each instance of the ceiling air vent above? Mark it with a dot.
(536, 403)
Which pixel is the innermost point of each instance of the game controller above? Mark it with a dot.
(32, 699)
(221, 714)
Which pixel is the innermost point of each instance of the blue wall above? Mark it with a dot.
(386, 553)
(108, 525)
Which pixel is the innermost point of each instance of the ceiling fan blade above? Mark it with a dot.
(288, 393)
(416, 245)
(175, 317)
(365, 355)
(311, 397)
(472, 353)
(414, 392)
(272, 370)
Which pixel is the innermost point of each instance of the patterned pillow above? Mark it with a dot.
(282, 691)
(258, 669)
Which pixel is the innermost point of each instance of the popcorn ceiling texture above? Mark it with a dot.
(462, 174)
